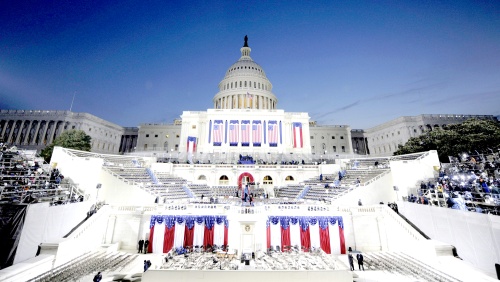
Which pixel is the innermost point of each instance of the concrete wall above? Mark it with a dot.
(44, 223)
(373, 193)
(247, 276)
(115, 191)
(476, 236)
(84, 172)
(406, 174)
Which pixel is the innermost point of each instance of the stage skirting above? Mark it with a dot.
(306, 233)
(182, 231)
(282, 232)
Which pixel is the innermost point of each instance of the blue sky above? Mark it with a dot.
(357, 63)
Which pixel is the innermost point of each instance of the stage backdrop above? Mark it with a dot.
(182, 231)
(306, 232)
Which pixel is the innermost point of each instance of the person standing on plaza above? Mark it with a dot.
(97, 277)
(359, 257)
(351, 261)
(146, 244)
(141, 244)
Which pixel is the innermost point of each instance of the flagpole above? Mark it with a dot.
(72, 100)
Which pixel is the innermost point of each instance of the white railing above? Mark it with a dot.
(387, 212)
(101, 214)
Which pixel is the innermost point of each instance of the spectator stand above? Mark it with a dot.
(468, 183)
(25, 178)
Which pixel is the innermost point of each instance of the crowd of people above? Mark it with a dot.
(471, 183)
(23, 179)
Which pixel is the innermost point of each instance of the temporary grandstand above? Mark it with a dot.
(301, 223)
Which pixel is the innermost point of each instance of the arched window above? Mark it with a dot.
(289, 178)
(268, 180)
(202, 177)
(223, 180)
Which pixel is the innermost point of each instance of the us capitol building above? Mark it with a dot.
(245, 119)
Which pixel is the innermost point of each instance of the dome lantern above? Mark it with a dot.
(245, 51)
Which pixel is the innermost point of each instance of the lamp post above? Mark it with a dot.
(98, 187)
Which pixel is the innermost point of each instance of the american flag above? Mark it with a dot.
(257, 133)
(218, 127)
(233, 132)
(272, 133)
(191, 144)
(245, 132)
(249, 96)
(297, 135)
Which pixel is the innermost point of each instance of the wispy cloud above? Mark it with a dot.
(484, 95)
(341, 109)
(413, 92)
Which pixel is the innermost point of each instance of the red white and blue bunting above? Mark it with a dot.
(183, 231)
(305, 232)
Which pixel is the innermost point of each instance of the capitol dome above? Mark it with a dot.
(245, 85)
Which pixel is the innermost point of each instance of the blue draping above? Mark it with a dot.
(159, 219)
(220, 219)
(336, 219)
(199, 219)
(169, 221)
(209, 222)
(284, 222)
(189, 222)
(323, 222)
(304, 222)
(152, 221)
(179, 219)
(274, 219)
(313, 220)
